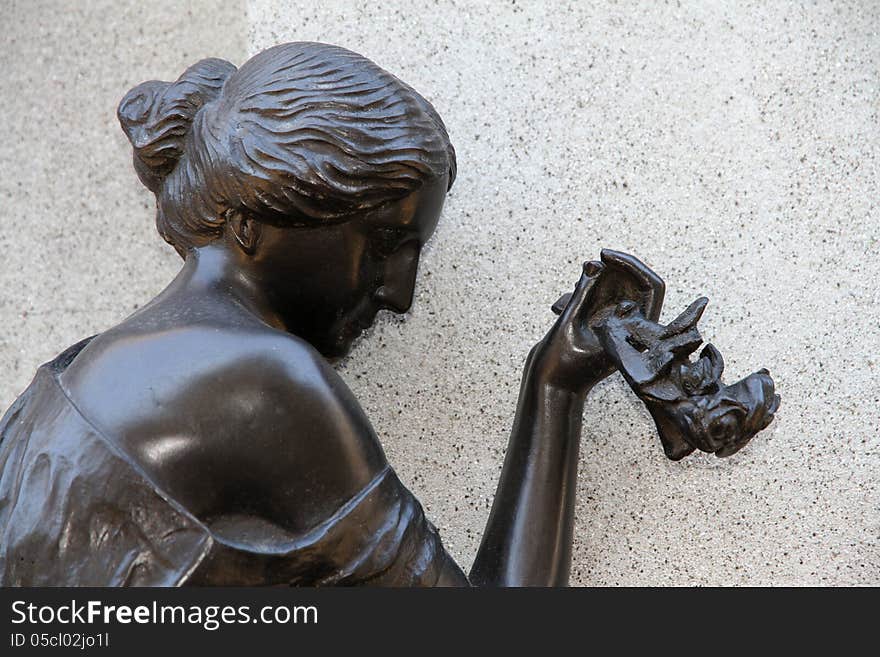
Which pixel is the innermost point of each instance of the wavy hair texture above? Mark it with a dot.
(302, 133)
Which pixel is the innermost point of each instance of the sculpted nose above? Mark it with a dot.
(399, 280)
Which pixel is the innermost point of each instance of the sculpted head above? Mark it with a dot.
(322, 174)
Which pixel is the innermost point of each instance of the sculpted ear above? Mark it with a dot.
(244, 229)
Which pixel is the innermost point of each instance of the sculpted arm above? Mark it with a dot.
(528, 537)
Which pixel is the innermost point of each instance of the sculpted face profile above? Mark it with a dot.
(207, 440)
(317, 175)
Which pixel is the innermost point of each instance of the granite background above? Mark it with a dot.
(731, 145)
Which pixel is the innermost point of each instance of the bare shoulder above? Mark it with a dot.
(300, 369)
(307, 421)
(257, 417)
(298, 378)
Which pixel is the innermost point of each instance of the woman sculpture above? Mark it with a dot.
(206, 439)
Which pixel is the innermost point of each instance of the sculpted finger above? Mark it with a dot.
(579, 300)
(648, 280)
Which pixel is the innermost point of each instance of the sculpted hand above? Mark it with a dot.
(571, 357)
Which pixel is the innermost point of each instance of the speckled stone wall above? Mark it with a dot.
(732, 145)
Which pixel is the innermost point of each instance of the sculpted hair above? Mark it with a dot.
(302, 133)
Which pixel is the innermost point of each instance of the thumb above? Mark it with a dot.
(579, 301)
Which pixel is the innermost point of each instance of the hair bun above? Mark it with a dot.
(156, 116)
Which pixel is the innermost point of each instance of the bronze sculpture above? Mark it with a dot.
(206, 439)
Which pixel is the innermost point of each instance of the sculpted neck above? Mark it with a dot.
(213, 272)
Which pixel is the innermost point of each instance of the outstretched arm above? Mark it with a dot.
(528, 536)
